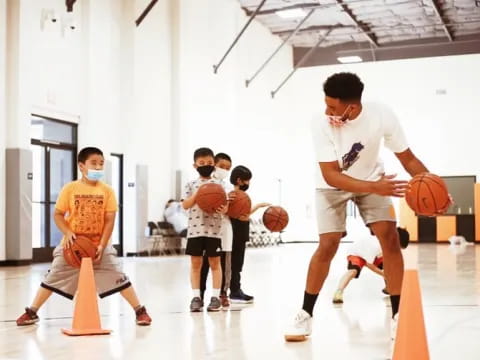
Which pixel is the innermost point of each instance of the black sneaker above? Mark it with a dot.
(215, 304)
(196, 305)
(239, 297)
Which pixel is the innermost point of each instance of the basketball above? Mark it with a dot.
(240, 205)
(427, 195)
(210, 197)
(81, 247)
(275, 218)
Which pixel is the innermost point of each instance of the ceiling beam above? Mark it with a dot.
(145, 12)
(259, 7)
(305, 6)
(312, 5)
(411, 49)
(315, 28)
(376, 29)
(441, 16)
(364, 28)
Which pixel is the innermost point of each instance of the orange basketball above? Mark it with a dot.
(81, 247)
(240, 205)
(427, 195)
(210, 197)
(275, 218)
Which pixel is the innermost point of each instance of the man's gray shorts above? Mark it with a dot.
(331, 206)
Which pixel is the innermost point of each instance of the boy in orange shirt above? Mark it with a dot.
(91, 207)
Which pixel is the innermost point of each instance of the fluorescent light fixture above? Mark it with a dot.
(291, 13)
(349, 59)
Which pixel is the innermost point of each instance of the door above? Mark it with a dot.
(54, 165)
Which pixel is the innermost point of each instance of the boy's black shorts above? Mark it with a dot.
(197, 246)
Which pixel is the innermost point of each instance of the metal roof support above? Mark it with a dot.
(249, 81)
(299, 64)
(439, 13)
(217, 66)
(308, 6)
(145, 12)
(370, 37)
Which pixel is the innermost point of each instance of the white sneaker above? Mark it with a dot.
(393, 334)
(301, 328)
(338, 297)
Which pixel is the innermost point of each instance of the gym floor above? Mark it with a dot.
(358, 329)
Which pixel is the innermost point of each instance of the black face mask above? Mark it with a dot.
(243, 187)
(206, 170)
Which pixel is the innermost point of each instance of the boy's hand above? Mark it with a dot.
(99, 254)
(222, 209)
(68, 239)
(264, 204)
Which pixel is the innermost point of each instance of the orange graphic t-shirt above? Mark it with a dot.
(85, 207)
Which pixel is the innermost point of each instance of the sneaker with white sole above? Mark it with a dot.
(338, 297)
(393, 334)
(301, 328)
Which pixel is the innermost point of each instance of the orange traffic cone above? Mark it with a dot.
(86, 318)
(411, 340)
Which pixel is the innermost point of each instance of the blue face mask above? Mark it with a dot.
(94, 175)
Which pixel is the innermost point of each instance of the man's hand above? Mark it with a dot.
(99, 254)
(386, 186)
(68, 239)
(445, 208)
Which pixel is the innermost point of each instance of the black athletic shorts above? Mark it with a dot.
(198, 246)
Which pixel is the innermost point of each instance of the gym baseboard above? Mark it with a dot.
(15, 262)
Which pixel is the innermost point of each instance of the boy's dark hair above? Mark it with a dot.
(202, 152)
(404, 237)
(240, 172)
(85, 153)
(344, 86)
(222, 156)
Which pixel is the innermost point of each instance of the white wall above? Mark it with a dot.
(219, 112)
(3, 121)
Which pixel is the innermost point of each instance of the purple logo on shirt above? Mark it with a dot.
(353, 155)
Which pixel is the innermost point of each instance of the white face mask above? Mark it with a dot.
(339, 120)
(220, 173)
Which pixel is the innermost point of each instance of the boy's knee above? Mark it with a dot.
(214, 263)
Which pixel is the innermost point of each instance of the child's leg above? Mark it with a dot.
(130, 295)
(40, 298)
(204, 275)
(216, 274)
(346, 278)
(196, 266)
(226, 263)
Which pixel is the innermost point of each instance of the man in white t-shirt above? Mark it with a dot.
(365, 252)
(347, 145)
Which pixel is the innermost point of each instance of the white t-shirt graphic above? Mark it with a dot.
(356, 145)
